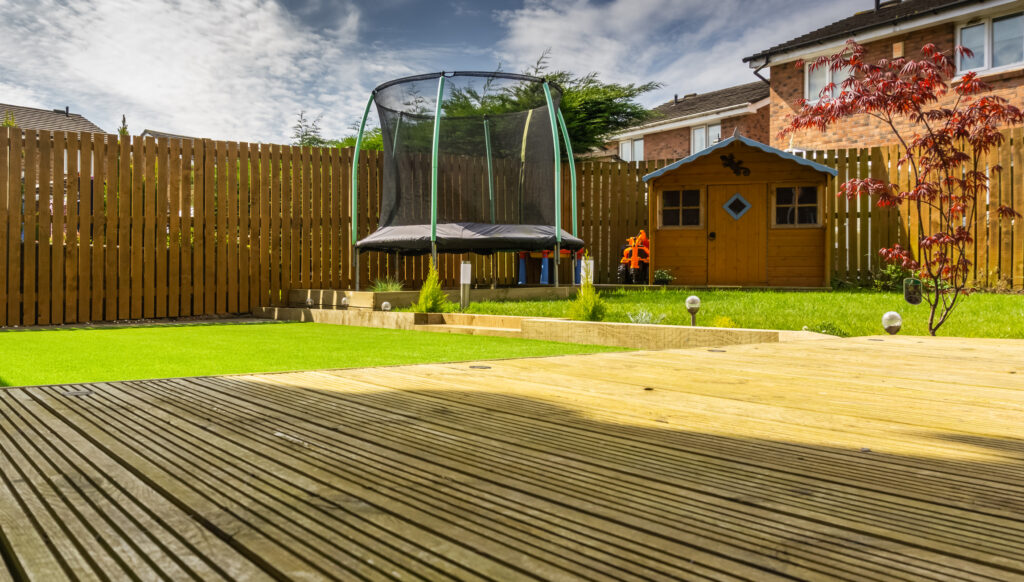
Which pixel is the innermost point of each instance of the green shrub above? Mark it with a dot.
(386, 285)
(588, 305)
(663, 277)
(646, 317)
(890, 278)
(828, 328)
(432, 298)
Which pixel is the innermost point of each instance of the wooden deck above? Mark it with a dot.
(865, 459)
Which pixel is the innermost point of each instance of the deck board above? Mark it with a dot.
(859, 459)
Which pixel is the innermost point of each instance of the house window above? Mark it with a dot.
(816, 80)
(796, 206)
(995, 42)
(631, 150)
(703, 136)
(680, 208)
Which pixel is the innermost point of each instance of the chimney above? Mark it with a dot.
(67, 111)
(675, 100)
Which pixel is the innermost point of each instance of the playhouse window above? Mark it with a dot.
(796, 206)
(680, 208)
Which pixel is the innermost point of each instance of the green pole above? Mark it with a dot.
(490, 169)
(553, 114)
(435, 162)
(572, 167)
(355, 173)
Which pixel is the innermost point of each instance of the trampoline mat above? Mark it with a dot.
(467, 237)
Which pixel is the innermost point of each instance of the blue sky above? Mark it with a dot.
(243, 69)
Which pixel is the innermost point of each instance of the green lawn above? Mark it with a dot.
(61, 356)
(856, 312)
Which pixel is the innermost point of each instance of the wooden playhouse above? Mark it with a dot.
(741, 213)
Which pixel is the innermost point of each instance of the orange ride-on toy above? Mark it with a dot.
(636, 258)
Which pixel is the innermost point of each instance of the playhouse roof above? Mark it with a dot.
(747, 141)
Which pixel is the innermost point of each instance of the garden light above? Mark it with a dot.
(309, 301)
(344, 302)
(465, 280)
(386, 306)
(693, 306)
(892, 322)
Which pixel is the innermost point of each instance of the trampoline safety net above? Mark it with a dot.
(496, 165)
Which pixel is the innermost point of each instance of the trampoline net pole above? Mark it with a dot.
(490, 169)
(572, 167)
(434, 165)
(394, 140)
(355, 189)
(553, 116)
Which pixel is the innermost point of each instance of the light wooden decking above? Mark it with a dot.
(900, 459)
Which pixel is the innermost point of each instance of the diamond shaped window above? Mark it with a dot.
(736, 206)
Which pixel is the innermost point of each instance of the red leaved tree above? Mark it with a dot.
(944, 127)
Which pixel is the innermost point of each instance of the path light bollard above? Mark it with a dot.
(386, 306)
(693, 306)
(892, 322)
(465, 280)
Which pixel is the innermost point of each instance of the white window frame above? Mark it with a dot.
(629, 145)
(707, 135)
(987, 66)
(807, 82)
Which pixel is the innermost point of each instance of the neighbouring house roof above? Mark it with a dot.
(726, 102)
(888, 13)
(747, 141)
(48, 119)
(711, 101)
(165, 135)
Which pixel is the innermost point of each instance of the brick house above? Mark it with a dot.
(993, 29)
(693, 122)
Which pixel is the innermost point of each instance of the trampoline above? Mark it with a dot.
(471, 164)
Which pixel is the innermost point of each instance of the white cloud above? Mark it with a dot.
(689, 45)
(233, 69)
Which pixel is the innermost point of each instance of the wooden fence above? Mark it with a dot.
(144, 228)
(861, 227)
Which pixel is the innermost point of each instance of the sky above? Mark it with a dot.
(243, 69)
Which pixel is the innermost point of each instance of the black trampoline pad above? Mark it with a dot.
(467, 237)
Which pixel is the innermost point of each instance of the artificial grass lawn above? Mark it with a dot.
(856, 312)
(62, 356)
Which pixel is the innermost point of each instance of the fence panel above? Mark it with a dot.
(102, 227)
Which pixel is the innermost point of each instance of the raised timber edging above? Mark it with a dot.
(356, 317)
(319, 298)
(626, 335)
(642, 336)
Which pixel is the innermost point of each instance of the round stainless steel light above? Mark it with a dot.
(892, 322)
(693, 304)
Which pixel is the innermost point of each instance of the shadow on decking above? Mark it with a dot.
(578, 495)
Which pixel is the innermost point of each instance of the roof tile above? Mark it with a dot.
(889, 13)
(48, 120)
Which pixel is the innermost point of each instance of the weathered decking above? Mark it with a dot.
(861, 459)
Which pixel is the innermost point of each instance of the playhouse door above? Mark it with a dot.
(737, 235)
